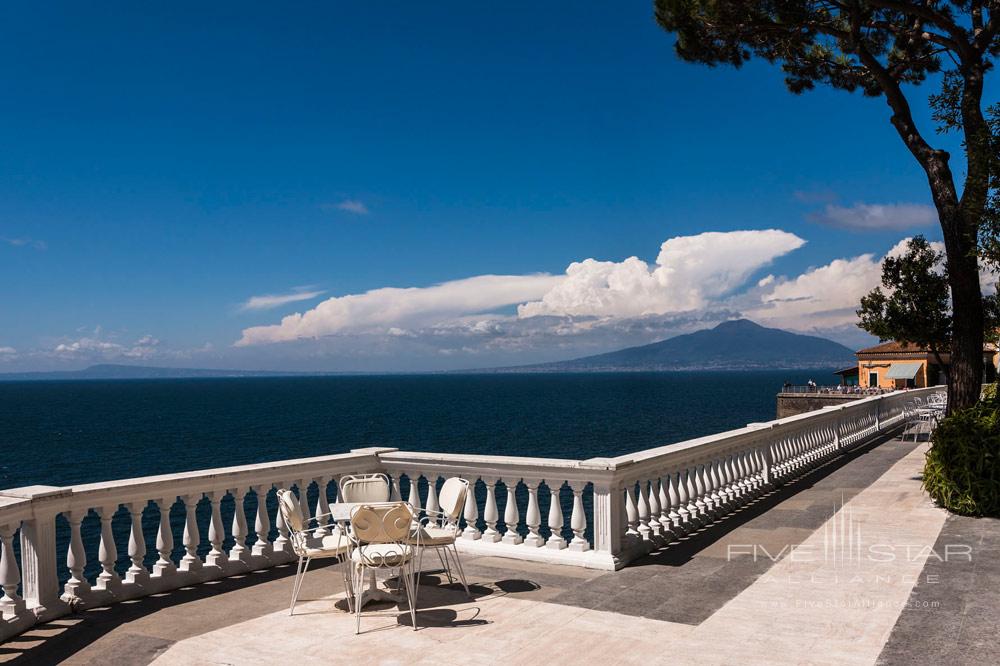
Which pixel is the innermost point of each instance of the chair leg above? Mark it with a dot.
(444, 563)
(461, 573)
(411, 596)
(300, 573)
(359, 579)
(345, 573)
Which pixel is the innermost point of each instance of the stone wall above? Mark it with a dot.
(790, 404)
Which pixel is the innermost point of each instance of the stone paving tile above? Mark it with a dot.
(953, 613)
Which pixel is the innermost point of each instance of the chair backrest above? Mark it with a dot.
(381, 523)
(452, 497)
(291, 511)
(364, 488)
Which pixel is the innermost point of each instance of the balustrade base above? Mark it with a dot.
(589, 559)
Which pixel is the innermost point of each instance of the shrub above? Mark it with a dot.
(962, 470)
(989, 394)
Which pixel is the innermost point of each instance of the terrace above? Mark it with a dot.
(747, 536)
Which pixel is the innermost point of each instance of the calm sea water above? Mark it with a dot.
(62, 433)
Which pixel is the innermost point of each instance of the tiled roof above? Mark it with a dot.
(896, 347)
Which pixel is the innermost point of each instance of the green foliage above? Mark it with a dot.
(914, 307)
(962, 469)
(989, 395)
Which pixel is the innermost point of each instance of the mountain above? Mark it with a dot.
(112, 371)
(732, 345)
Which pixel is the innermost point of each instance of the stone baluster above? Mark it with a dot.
(490, 513)
(642, 507)
(718, 492)
(673, 505)
(413, 497)
(727, 471)
(191, 538)
(303, 486)
(510, 515)
(632, 533)
(322, 508)
(684, 525)
(556, 540)
(699, 485)
(137, 573)
(262, 523)
(11, 605)
(394, 489)
(282, 544)
(107, 553)
(694, 516)
(164, 566)
(654, 511)
(578, 520)
(471, 513)
(533, 518)
(433, 505)
(705, 475)
(76, 587)
(239, 551)
(216, 534)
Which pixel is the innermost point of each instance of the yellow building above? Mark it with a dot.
(898, 365)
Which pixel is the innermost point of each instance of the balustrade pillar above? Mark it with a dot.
(239, 551)
(137, 573)
(533, 517)
(107, 553)
(694, 514)
(654, 511)
(632, 533)
(510, 515)
(76, 587)
(433, 505)
(684, 525)
(216, 557)
(413, 497)
(192, 538)
(490, 513)
(262, 523)
(578, 520)
(282, 544)
(11, 605)
(556, 540)
(471, 513)
(164, 566)
(642, 507)
(322, 508)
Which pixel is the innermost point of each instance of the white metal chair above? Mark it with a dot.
(364, 488)
(439, 530)
(380, 540)
(305, 545)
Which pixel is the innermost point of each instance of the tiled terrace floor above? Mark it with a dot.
(715, 598)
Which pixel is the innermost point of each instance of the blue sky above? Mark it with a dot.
(161, 164)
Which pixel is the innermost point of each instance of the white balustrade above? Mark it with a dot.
(615, 508)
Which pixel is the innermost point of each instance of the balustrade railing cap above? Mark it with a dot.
(760, 425)
(604, 463)
(375, 450)
(35, 492)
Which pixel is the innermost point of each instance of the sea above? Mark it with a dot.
(70, 432)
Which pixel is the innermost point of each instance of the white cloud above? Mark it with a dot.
(389, 307)
(351, 206)
(876, 217)
(96, 349)
(690, 272)
(269, 301)
(26, 242)
(7, 351)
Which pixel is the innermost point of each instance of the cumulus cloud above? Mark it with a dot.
(389, 307)
(353, 206)
(270, 301)
(7, 351)
(690, 272)
(876, 217)
(95, 348)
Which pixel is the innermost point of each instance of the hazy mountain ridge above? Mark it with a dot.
(732, 345)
